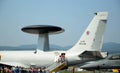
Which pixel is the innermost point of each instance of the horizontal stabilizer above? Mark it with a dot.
(93, 54)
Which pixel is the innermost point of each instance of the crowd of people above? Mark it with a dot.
(21, 70)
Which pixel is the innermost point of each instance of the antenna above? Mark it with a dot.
(43, 32)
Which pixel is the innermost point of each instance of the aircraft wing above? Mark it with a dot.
(93, 54)
(14, 64)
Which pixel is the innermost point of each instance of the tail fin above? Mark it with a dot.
(92, 38)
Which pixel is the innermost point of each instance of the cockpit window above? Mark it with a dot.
(117, 57)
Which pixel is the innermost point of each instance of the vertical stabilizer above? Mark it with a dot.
(92, 38)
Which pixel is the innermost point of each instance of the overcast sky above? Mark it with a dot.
(72, 15)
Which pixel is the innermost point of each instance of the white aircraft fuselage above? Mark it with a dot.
(29, 57)
(39, 59)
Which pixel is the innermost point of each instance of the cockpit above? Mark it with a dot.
(114, 57)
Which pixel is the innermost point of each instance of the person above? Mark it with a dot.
(40, 70)
(1, 70)
(10, 70)
(5, 70)
(31, 70)
(44, 70)
(16, 69)
(62, 58)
